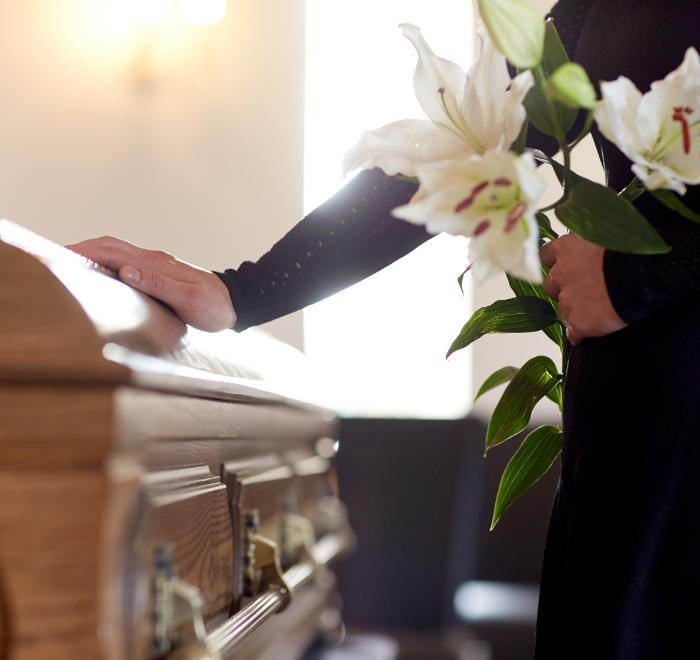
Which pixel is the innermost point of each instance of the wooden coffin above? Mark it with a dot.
(164, 493)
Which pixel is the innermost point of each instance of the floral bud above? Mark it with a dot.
(517, 29)
(570, 85)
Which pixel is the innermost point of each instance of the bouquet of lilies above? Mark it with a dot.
(478, 179)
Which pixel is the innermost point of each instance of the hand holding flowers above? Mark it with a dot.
(477, 179)
(575, 280)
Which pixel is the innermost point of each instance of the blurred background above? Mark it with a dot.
(207, 128)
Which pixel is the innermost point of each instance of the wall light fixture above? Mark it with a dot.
(144, 11)
(204, 12)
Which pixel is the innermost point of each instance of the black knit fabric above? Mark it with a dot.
(348, 238)
(620, 577)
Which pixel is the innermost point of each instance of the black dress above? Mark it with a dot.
(621, 572)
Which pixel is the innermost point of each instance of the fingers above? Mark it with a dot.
(551, 287)
(573, 335)
(114, 253)
(106, 251)
(204, 303)
(548, 255)
(175, 294)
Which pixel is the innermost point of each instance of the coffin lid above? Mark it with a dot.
(65, 318)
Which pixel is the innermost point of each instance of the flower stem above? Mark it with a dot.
(585, 131)
(565, 350)
(633, 190)
(568, 182)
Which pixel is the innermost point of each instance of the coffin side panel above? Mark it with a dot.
(50, 527)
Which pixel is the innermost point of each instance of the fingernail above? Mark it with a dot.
(130, 274)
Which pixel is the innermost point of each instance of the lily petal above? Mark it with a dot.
(398, 147)
(477, 197)
(529, 179)
(492, 102)
(656, 178)
(438, 83)
(659, 131)
(616, 115)
(515, 253)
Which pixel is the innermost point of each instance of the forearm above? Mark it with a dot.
(348, 238)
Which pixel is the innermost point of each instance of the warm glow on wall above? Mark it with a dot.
(395, 327)
(204, 12)
(144, 11)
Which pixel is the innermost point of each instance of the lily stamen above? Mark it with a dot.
(679, 115)
(481, 227)
(479, 187)
(464, 204)
(463, 130)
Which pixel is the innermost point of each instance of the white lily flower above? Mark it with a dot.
(467, 113)
(493, 200)
(660, 130)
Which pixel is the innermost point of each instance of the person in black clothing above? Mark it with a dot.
(620, 576)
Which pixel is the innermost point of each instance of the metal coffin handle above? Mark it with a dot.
(220, 642)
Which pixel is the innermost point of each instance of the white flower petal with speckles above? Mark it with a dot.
(649, 129)
(398, 147)
(446, 185)
(492, 103)
(469, 113)
(432, 74)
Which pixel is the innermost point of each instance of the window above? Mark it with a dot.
(381, 344)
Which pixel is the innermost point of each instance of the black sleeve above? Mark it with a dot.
(346, 239)
(637, 284)
(640, 284)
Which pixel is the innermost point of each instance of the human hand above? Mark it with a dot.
(196, 295)
(577, 282)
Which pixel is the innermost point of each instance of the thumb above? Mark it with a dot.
(574, 337)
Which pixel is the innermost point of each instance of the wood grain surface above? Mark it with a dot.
(50, 533)
(44, 332)
(102, 461)
(54, 428)
(190, 511)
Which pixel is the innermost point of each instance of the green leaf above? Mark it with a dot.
(554, 52)
(599, 215)
(497, 378)
(546, 230)
(521, 289)
(671, 201)
(533, 458)
(536, 102)
(503, 316)
(533, 381)
(557, 395)
(558, 168)
(570, 85)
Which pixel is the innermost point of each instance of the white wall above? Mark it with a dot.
(206, 161)
(380, 345)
